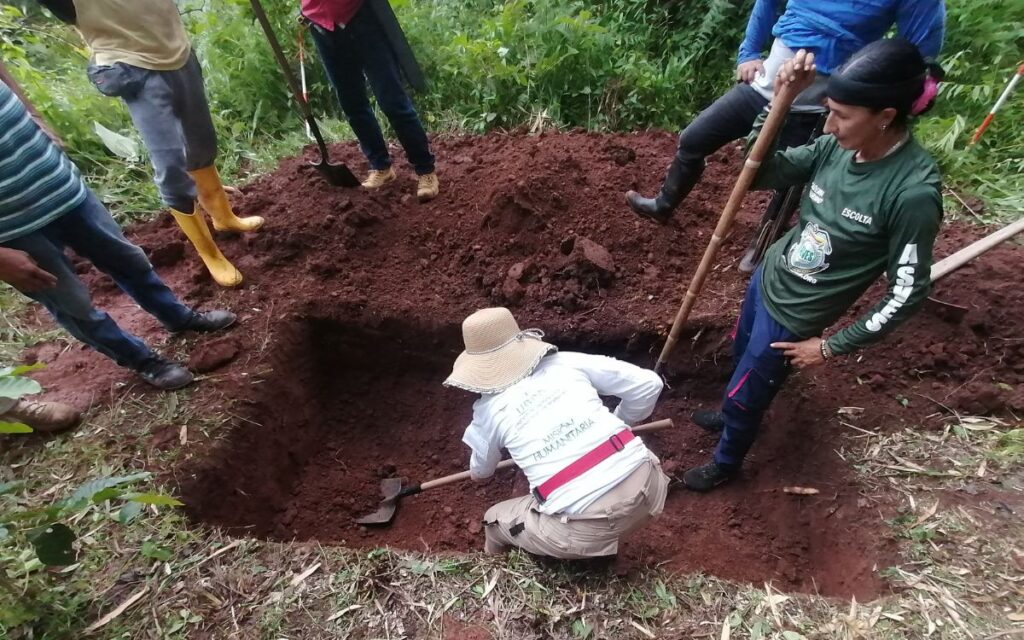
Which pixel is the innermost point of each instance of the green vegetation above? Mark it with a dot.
(622, 64)
(619, 64)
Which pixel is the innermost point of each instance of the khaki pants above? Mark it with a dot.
(595, 532)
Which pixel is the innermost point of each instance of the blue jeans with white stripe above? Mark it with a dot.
(89, 230)
(759, 374)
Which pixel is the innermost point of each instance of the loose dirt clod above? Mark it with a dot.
(214, 355)
(350, 320)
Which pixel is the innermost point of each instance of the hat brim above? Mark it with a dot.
(496, 371)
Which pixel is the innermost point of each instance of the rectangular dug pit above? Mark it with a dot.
(346, 406)
(350, 403)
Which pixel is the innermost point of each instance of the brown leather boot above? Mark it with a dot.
(43, 416)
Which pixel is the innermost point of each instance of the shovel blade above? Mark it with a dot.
(389, 488)
(383, 515)
(337, 175)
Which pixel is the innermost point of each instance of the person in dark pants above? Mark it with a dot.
(354, 49)
(140, 53)
(873, 206)
(830, 29)
(45, 207)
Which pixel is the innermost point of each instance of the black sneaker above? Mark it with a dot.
(708, 420)
(165, 375)
(208, 321)
(707, 477)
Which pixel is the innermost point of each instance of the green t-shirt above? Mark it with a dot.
(857, 220)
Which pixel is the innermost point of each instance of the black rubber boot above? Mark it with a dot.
(208, 321)
(708, 420)
(164, 374)
(677, 184)
(707, 477)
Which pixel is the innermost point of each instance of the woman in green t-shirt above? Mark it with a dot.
(872, 205)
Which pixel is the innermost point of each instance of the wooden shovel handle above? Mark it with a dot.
(657, 425)
(975, 249)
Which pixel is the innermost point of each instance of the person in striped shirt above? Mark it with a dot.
(44, 207)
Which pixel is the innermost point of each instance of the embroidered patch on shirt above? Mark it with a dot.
(807, 257)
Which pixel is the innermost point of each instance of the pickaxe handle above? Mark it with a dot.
(505, 464)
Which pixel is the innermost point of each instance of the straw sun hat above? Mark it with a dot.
(498, 354)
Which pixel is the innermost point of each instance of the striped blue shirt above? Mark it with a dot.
(38, 183)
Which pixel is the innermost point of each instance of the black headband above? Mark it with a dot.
(898, 95)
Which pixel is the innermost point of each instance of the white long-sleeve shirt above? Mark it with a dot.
(555, 415)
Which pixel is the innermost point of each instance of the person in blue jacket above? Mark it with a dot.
(833, 30)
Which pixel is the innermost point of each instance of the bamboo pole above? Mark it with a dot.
(780, 109)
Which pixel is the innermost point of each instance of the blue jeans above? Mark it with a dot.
(760, 372)
(355, 54)
(170, 110)
(89, 230)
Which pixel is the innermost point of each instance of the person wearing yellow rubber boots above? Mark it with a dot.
(141, 54)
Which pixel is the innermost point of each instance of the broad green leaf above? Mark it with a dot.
(151, 549)
(154, 498)
(85, 493)
(15, 427)
(4, 533)
(54, 544)
(793, 635)
(119, 145)
(15, 387)
(105, 494)
(129, 512)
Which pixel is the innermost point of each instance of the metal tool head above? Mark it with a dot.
(390, 488)
(337, 175)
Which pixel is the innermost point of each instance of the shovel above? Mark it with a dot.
(393, 492)
(337, 175)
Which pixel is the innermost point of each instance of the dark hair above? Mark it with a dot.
(889, 73)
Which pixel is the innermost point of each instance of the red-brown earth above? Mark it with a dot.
(349, 321)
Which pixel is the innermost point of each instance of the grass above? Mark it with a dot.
(617, 65)
(163, 577)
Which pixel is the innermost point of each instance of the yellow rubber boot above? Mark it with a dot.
(194, 226)
(215, 201)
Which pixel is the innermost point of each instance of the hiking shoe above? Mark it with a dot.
(46, 417)
(208, 321)
(427, 187)
(707, 477)
(164, 374)
(708, 420)
(377, 178)
(648, 207)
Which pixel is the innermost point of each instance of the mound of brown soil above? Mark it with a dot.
(350, 317)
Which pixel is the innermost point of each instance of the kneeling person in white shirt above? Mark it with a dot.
(591, 480)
